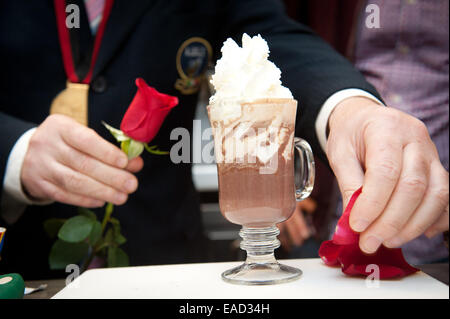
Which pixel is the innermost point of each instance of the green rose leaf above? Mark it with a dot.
(117, 257)
(116, 236)
(95, 234)
(118, 134)
(87, 212)
(109, 237)
(52, 226)
(63, 253)
(76, 229)
(119, 239)
(101, 246)
(115, 224)
(113, 238)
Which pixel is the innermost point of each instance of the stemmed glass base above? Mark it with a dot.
(260, 267)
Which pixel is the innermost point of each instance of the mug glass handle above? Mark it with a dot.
(306, 169)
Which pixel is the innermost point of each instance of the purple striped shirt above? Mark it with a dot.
(406, 59)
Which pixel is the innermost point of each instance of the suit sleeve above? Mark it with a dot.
(311, 69)
(11, 129)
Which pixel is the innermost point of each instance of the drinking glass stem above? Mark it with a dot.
(260, 244)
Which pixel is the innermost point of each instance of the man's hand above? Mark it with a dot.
(405, 188)
(70, 163)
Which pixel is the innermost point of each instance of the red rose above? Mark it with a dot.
(343, 250)
(146, 112)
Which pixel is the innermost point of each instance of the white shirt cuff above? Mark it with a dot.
(12, 184)
(14, 199)
(328, 107)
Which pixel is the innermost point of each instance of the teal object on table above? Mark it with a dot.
(12, 286)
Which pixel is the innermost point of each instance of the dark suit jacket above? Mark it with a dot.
(162, 219)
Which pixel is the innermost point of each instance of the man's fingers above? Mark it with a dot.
(119, 179)
(440, 226)
(429, 215)
(383, 167)
(74, 182)
(405, 199)
(135, 165)
(88, 141)
(60, 195)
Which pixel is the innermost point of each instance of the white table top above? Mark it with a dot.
(203, 281)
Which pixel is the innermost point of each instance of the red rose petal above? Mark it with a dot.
(344, 234)
(329, 252)
(344, 250)
(146, 112)
(390, 262)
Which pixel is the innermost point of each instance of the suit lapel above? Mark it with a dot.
(123, 18)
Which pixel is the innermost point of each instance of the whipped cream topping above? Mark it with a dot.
(248, 119)
(245, 73)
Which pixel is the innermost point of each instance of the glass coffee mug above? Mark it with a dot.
(254, 148)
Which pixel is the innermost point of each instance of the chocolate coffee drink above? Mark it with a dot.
(253, 116)
(255, 162)
(252, 199)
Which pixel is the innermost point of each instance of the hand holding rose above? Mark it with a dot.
(70, 163)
